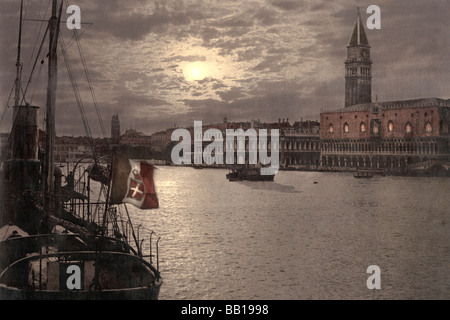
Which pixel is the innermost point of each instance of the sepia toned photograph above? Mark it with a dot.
(203, 150)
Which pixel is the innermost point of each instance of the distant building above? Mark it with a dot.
(132, 137)
(396, 136)
(70, 149)
(161, 141)
(299, 144)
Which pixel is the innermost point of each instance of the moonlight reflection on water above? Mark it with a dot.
(307, 235)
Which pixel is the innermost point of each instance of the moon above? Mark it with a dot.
(195, 71)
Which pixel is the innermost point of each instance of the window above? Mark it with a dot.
(375, 129)
(428, 127)
(408, 127)
(390, 126)
(362, 127)
(346, 127)
(331, 128)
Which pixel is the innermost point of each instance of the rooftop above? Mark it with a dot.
(400, 104)
(359, 35)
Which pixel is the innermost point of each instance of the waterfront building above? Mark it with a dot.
(161, 141)
(133, 137)
(300, 145)
(408, 136)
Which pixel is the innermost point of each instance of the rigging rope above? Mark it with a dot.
(40, 29)
(34, 65)
(78, 97)
(7, 105)
(21, 70)
(35, 88)
(76, 36)
(73, 82)
(88, 78)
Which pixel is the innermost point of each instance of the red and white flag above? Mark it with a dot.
(132, 182)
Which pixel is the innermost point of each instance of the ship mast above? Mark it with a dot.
(24, 166)
(17, 82)
(50, 113)
(18, 63)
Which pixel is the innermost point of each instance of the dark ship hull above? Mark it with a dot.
(38, 267)
(363, 175)
(124, 294)
(249, 174)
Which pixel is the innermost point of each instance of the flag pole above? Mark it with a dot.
(108, 195)
(132, 231)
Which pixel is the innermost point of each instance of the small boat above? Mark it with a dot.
(359, 175)
(363, 174)
(249, 174)
(369, 173)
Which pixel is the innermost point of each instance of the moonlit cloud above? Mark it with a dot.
(257, 59)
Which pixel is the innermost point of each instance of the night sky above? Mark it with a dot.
(164, 63)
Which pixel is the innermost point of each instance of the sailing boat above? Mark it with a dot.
(57, 242)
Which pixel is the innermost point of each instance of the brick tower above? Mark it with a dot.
(358, 67)
(115, 129)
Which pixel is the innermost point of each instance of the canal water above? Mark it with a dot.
(307, 235)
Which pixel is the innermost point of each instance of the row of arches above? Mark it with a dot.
(369, 162)
(308, 159)
(301, 145)
(396, 146)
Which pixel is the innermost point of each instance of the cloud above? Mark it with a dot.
(231, 94)
(209, 33)
(137, 25)
(271, 58)
(266, 16)
(288, 4)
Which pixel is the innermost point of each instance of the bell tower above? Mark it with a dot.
(358, 67)
(115, 129)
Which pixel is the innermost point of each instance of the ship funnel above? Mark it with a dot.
(25, 137)
(24, 164)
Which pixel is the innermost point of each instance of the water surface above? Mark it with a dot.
(307, 235)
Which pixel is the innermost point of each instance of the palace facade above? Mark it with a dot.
(397, 136)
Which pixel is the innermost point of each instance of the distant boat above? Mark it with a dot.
(369, 173)
(249, 174)
(363, 174)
